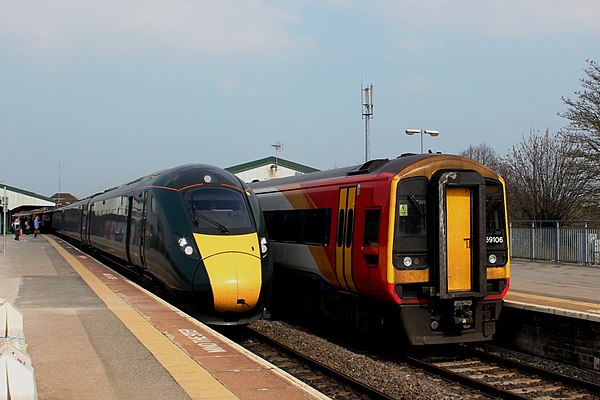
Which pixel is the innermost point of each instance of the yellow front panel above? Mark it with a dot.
(459, 241)
(233, 265)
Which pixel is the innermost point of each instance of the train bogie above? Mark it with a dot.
(418, 242)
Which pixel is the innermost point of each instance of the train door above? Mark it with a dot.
(344, 238)
(84, 224)
(462, 226)
(137, 227)
(459, 204)
(88, 223)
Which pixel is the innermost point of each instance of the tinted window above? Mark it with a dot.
(494, 215)
(299, 226)
(371, 236)
(410, 234)
(218, 210)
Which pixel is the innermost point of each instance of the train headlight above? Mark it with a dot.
(407, 261)
(492, 259)
(263, 246)
(185, 247)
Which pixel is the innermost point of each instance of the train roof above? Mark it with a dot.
(176, 178)
(370, 168)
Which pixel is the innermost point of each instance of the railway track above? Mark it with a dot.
(452, 372)
(324, 378)
(504, 378)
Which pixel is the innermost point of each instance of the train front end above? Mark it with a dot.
(448, 254)
(233, 279)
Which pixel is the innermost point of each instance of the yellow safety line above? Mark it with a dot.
(195, 380)
(553, 299)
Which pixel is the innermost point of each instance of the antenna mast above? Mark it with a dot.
(278, 147)
(367, 114)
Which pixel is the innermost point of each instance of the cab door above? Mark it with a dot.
(137, 228)
(459, 204)
(344, 238)
(462, 252)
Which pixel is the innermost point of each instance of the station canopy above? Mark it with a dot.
(23, 200)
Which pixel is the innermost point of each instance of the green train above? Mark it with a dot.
(196, 230)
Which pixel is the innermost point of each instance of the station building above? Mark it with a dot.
(268, 168)
(15, 200)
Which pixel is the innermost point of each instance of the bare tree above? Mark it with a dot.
(584, 116)
(485, 155)
(584, 111)
(545, 181)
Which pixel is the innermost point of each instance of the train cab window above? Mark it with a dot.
(371, 234)
(494, 212)
(218, 210)
(410, 231)
(495, 222)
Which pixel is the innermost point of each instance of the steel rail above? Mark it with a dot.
(371, 392)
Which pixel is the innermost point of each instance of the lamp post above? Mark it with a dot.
(411, 132)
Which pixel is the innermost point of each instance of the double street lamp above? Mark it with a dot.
(411, 132)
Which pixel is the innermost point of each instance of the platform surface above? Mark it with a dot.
(92, 334)
(565, 289)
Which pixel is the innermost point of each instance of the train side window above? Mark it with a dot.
(299, 226)
(274, 222)
(291, 222)
(372, 221)
(316, 226)
(152, 204)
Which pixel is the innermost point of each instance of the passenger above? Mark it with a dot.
(36, 226)
(16, 227)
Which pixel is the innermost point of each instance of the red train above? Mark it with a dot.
(418, 244)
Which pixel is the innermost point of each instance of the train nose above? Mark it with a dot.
(235, 281)
(233, 267)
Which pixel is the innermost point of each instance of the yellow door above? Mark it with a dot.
(458, 207)
(344, 235)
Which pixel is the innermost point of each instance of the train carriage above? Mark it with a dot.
(418, 243)
(196, 229)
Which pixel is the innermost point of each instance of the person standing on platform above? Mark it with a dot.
(36, 226)
(16, 227)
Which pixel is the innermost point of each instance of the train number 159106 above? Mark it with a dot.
(494, 239)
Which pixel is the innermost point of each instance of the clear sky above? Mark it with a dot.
(112, 90)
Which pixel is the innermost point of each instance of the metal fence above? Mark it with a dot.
(551, 241)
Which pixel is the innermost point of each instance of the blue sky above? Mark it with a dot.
(116, 89)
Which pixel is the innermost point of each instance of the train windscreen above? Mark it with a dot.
(410, 232)
(218, 210)
(496, 239)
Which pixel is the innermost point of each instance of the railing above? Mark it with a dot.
(553, 241)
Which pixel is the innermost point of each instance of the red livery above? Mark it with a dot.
(418, 243)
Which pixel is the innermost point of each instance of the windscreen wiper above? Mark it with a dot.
(219, 225)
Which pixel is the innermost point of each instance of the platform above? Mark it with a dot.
(92, 334)
(570, 290)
